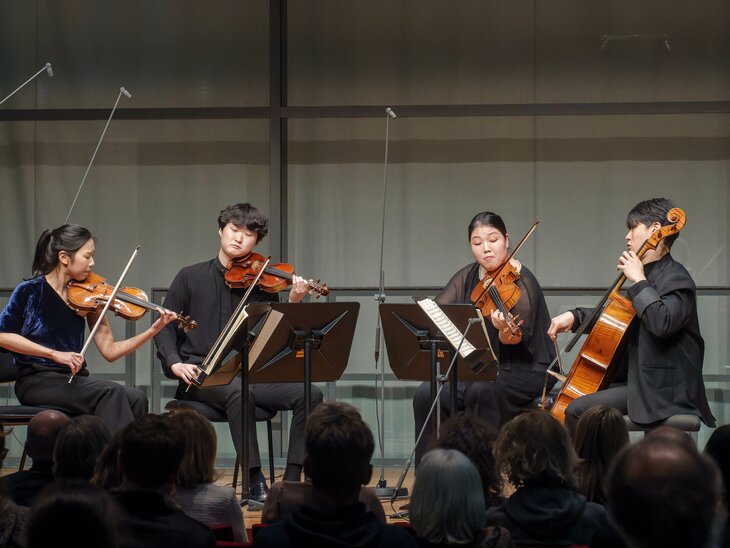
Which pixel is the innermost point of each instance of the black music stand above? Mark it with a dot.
(302, 342)
(305, 342)
(415, 344)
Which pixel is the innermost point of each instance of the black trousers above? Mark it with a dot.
(117, 405)
(273, 396)
(514, 391)
(614, 396)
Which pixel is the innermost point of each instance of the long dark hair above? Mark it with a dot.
(600, 434)
(68, 238)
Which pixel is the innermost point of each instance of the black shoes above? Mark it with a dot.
(259, 490)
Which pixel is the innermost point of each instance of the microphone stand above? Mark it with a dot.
(122, 91)
(382, 491)
(47, 67)
(435, 402)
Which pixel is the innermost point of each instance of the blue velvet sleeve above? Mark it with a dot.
(19, 312)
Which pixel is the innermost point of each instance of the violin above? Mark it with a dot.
(241, 272)
(500, 292)
(130, 303)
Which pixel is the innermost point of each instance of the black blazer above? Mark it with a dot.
(664, 355)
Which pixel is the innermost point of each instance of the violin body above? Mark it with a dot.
(506, 285)
(94, 292)
(593, 367)
(242, 272)
(500, 293)
(130, 303)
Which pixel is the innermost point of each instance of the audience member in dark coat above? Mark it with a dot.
(150, 454)
(22, 487)
(535, 454)
(338, 449)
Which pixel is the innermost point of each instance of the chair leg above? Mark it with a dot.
(22, 458)
(235, 472)
(271, 450)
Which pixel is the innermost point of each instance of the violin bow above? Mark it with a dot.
(107, 305)
(516, 249)
(122, 91)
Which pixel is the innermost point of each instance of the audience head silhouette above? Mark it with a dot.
(78, 447)
(339, 446)
(534, 450)
(198, 464)
(150, 452)
(474, 437)
(662, 493)
(447, 504)
(73, 513)
(600, 434)
(43, 430)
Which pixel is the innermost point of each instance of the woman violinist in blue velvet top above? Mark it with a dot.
(46, 336)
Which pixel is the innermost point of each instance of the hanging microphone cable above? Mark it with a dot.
(382, 490)
(47, 67)
(122, 91)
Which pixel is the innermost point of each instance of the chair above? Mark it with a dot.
(18, 415)
(213, 415)
(686, 423)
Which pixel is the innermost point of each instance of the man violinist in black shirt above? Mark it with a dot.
(201, 292)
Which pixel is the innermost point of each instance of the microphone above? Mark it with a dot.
(390, 113)
(46, 67)
(122, 91)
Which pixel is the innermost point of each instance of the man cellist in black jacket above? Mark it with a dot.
(660, 372)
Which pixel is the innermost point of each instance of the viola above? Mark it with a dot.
(130, 303)
(242, 272)
(500, 292)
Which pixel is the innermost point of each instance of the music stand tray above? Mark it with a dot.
(408, 333)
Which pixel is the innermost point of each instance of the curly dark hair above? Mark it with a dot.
(474, 437)
(534, 449)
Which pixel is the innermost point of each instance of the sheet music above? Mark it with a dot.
(446, 326)
(272, 320)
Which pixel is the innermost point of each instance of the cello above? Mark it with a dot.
(595, 363)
